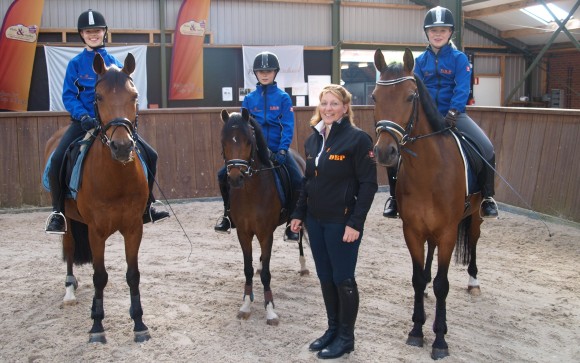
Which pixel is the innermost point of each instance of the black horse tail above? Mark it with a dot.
(82, 254)
(462, 247)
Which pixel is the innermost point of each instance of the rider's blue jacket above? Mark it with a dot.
(78, 90)
(447, 76)
(272, 108)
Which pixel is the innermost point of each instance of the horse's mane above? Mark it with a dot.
(236, 120)
(435, 119)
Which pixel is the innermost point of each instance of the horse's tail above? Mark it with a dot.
(462, 247)
(80, 233)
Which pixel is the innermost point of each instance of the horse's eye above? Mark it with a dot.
(98, 97)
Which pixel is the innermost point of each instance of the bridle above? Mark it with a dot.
(246, 166)
(131, 127)
(400, 134)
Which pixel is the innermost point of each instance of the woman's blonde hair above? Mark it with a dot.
(342, 94)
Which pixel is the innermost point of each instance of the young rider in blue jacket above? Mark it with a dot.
(446, 72)
(271, 107)
(78, 96)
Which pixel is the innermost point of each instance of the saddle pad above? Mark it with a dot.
(471, 185)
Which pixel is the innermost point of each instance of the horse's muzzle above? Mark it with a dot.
(122, 151)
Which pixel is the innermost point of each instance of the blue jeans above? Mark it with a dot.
(335, 260)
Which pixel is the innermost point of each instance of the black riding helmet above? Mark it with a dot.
(438, 16)
(266, 61)
(91, 19)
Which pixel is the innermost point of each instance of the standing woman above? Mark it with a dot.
(446, 72)
(339, 187)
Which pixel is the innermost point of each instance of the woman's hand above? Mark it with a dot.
(295, 225)
(350, 235)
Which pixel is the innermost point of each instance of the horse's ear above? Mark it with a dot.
(245, 114)
(408, 61)
(225, 116)
(380, 61)
(129, 65)
(99, 64)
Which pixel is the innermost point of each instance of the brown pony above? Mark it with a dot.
(255, 207)
(112, 197)
(431, 189)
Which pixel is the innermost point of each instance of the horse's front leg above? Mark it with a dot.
(246, 244)
(441, 289)
(70, 283)
(133, 276)
(100, 279)
(473, 233)
(415, 337)
(266, 247)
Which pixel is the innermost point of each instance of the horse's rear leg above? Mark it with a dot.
(133, 277)
(303, 270)
(473, 233)
(427, 269)
(70, 283)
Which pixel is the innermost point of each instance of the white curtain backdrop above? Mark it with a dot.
(291, 60)
(57, 59)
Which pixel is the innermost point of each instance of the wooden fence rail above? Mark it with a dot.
(537, 153)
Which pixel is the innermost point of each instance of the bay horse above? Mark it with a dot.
(431, 191)
(255, 207)
(112, 196)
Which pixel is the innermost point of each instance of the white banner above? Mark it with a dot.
(291, 58)
(57, 59)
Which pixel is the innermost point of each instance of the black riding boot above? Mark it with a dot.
(153, 215)
(56, 223)
(390, 210)
(488, 205)
(330, 296)
(347, 312)
(225, 223)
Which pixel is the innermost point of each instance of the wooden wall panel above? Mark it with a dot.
(537, 153)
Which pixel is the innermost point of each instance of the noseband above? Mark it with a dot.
(400, 134)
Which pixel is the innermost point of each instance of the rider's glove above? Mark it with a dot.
(88, 123)
(281, 157)
(451, 117)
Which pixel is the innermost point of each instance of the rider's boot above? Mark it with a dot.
(488, 207)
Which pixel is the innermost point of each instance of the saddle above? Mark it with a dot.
(72, 166)
(285, 191)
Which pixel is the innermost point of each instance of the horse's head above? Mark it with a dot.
(396, 105)
(116, 99)
(238, 146)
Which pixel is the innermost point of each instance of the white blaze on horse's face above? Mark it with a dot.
(234, 139)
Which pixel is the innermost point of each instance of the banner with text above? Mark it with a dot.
(186, 80)
(17, 47)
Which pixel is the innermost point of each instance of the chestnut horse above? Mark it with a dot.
(255, 207)
(431, 188)
(112, 197)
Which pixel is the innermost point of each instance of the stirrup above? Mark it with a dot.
(220, 223)
(491, 201)
(49, 219)
(150, 213)
(289, 234)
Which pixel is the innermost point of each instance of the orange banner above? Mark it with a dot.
(17, 49)
(186, 82)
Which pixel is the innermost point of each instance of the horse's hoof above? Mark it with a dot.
(97, 338)
(438, 353)
(273, 322)
(474, 290)
(142, 336)
(70, 302)
(415, 341)
(304, 272)
(243, 315)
